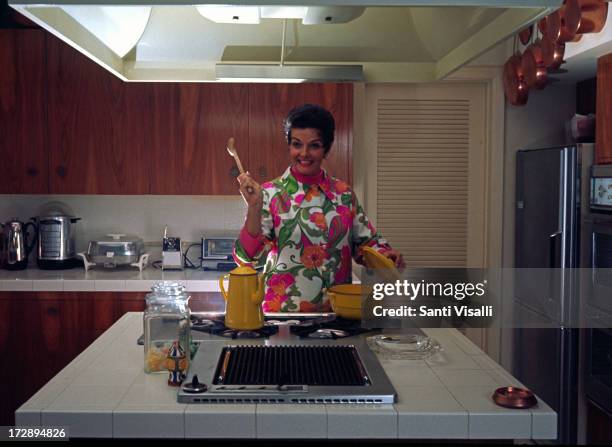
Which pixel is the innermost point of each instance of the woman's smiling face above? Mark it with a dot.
(306, 151)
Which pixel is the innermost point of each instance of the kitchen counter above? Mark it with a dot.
(105, 393)
(98, 280)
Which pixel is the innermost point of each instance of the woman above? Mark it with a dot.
(308, 223)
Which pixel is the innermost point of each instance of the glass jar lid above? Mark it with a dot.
(168, 288)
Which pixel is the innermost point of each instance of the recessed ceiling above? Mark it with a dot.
(401, 42)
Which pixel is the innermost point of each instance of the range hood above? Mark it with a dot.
(386, 41)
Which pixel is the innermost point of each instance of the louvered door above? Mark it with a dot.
(429, 181)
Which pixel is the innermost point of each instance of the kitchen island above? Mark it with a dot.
(105, 393)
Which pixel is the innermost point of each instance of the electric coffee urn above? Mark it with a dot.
(56, 237)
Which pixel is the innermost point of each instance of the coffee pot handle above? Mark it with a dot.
(222, 287)
(30, 246)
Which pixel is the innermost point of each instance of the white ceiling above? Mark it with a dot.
(401, 43)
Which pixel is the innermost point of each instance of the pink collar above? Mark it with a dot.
(307, 179)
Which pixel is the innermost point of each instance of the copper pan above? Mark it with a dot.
(542, 26)
(552, 53)
(514, 83)
(525, 35)
(553, 26)
(570, 15)
(532, 65)
(593, 16)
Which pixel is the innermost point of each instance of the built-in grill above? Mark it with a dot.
(302, 371)
(290, 365)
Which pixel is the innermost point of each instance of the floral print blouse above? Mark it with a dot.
(309, 233)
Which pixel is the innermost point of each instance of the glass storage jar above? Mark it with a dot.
(166, 320)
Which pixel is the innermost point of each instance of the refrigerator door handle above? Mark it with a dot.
(552, 241)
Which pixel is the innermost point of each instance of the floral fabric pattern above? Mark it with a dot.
(310, 233)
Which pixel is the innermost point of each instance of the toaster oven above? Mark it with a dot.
(217, 253)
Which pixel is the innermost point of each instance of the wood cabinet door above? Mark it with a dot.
(23, 155)
(192, 123)
(603, 125)
(269, 105)
(99, 127)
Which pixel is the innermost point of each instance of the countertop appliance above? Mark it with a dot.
(116, 250)
(217, 253)
(14, 250)
(287, 368)
(552, 200)
(57, 237)
(172, 257)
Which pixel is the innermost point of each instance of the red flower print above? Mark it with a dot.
(319, 220)
(345, 215)
(279, 283)
(267, 185)
(340, 186)
(307, 306)
(312, 192)
(345, 266)
(273, 303)
(313, 256)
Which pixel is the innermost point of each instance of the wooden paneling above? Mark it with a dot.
(98, 128)
(191, 126)
(603, 131)
(269, 105)
(23, 156)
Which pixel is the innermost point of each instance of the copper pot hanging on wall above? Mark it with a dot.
(552, 53)
(593, 15)
(570, 16)
(533, 68)
(515, 87)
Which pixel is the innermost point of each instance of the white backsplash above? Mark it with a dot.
(187, 217)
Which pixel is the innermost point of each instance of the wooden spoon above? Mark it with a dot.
(231, 149)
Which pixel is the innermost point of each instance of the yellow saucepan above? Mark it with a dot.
(346, 299)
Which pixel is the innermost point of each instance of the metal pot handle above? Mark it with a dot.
(86, 262)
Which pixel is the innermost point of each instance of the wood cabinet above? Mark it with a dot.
(603, 124)
(68, 126)
(191, 124)
(99, 127)
(23, 155)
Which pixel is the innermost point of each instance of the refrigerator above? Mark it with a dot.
(552, 187)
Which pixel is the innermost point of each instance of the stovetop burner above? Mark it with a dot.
(328, 329)
(216, 326)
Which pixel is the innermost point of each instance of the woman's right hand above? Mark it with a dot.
(251, 191)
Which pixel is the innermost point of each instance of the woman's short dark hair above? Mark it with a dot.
(311, 116)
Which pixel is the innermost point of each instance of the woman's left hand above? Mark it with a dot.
(396, 257)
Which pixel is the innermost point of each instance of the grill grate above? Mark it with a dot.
(291, 365)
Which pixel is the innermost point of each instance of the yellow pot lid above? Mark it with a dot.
(383, 265)
(244, 270)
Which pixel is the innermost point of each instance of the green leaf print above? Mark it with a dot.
(346, 199)
(310, 273)
(291, 185)
(285, 233)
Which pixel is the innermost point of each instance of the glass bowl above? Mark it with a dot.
(403, 346)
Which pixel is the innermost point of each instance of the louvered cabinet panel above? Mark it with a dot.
(423, 179)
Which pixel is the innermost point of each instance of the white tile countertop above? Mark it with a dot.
(120, 280)
(105, 393)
